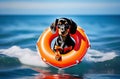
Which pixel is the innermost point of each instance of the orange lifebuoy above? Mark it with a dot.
(69, 59)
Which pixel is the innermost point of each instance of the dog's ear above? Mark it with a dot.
(53, 26)
(56, 21)
(73, 27)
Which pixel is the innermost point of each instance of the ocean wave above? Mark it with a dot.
(94, 61)
(25, 55)
(8, 63)
(98, 56)
(28, 56)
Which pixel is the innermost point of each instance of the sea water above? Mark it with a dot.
(19, 58)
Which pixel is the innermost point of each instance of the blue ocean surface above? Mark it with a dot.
(19, 58)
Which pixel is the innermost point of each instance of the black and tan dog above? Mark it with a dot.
(64, 43)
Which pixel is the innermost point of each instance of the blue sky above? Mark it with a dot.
(83, 7)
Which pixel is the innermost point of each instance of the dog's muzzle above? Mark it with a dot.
(63, 29)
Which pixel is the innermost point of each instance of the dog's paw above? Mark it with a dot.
(58, 48)
(58, 57)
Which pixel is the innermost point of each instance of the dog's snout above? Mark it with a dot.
(62, 28)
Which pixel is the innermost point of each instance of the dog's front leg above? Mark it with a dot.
(58, 48)
(58, 56)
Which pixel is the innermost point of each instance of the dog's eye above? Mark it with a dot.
(59, 25)
(66, 26)
(66, 23)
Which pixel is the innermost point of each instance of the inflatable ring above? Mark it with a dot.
(69, 59)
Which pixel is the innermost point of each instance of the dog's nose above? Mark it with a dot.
(62, 29)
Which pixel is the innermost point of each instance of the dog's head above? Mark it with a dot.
(64, 25)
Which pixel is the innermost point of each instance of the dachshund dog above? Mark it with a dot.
(64, 43)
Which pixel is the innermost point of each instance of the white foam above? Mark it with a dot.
(25, 55)
(97, 56)
(30, 57)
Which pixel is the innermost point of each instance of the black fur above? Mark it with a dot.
(64, 41)
(73, 25)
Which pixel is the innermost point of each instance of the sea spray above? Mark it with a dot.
(25, 55)
(98, 56)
